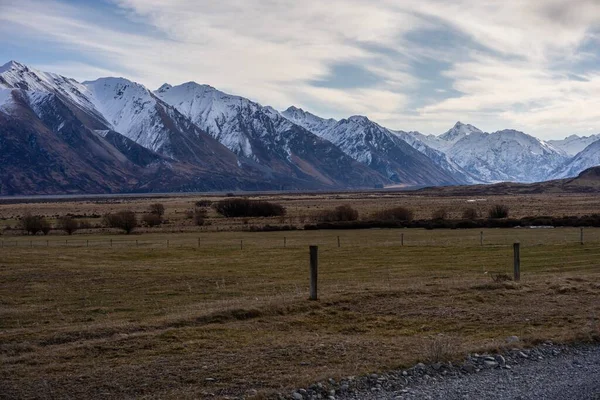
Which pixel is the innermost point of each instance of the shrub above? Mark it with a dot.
(124, 220)
(151, 220)
(235, 208)
(470, 213)
(157, 209)
(440, 214)
(339, 214)
(498, 211)
(204, 203)
(46, 227)
(200, 216)
(33, 224)
(394, 214)
(68, 224)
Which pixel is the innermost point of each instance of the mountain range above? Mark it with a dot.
(60, 136)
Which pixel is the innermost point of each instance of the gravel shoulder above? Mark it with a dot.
(549, 371)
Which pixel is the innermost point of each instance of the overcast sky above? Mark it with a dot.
(407, 64)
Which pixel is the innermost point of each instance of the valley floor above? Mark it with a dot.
(226, 313)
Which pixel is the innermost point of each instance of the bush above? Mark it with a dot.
(470, 213)
(46, 227)
(157, 209)
(68, 224)
(339, 214)
(235, 208)
(394, 214)
(124, 220)
(498, 211)
(33, 224)
(152, 220)
(203, 203)
(440, 214)
(200, 216)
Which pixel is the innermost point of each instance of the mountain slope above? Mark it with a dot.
(506, 155)
(381, 149)
(265, 139)
(587, 158)
(53, 140)
(572, 145)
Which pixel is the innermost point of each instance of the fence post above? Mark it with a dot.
(338, 241)
(517, 261)
(284, 241)
(47, 243)
(314, 268)
(30, 244)
(481, 238)
(402, 239)
(198, 242)
(87, 243)
(110, 242)
(167, 244)
(581, 236)
(241, 244)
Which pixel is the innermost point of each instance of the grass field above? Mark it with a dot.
(85, 320)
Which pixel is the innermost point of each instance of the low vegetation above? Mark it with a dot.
(394, 214)
(341, 213)
(470, 213)
(498, 211)
(68, 224)
(124, 220)
(238, 208)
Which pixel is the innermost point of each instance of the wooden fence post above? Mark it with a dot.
(87, 243)
(517, 261)
(481, 238)
(284, 241)
(167, 244)
(314, 271)
(338, 241)
(198, 242)
(241, 244)
(110, 242)
(402, 239)
(581, 236)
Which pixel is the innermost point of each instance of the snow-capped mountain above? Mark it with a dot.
(506, 155)
(587, 158)
(381, 149)
(261, 135)
(574, 144)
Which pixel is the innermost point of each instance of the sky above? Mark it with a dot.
(407, 64)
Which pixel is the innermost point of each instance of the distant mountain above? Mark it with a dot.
(54, 141)
(587, 158)
(506, 155)
(58, 135)
(261, 136)
(380, 149)
(574, 144)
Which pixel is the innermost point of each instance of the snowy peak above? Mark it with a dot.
(574, 144)
(307, 120)
(459, 131)
(164, 87)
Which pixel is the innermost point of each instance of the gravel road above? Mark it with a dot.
(572, 373)
(549, 372)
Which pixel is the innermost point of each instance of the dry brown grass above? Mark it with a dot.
(303, 209)
(185, 322)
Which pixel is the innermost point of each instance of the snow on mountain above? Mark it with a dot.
(506, 155)
(381, 149)
(574, 144)
(307, 120)
(130, 109)
(264, 136)
(587, 158)
(14, 75)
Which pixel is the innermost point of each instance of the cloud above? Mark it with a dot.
(415, 64)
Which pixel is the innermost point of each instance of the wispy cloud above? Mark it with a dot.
(415, 64)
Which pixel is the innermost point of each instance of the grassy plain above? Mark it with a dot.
(82, 319)
(302, 208)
